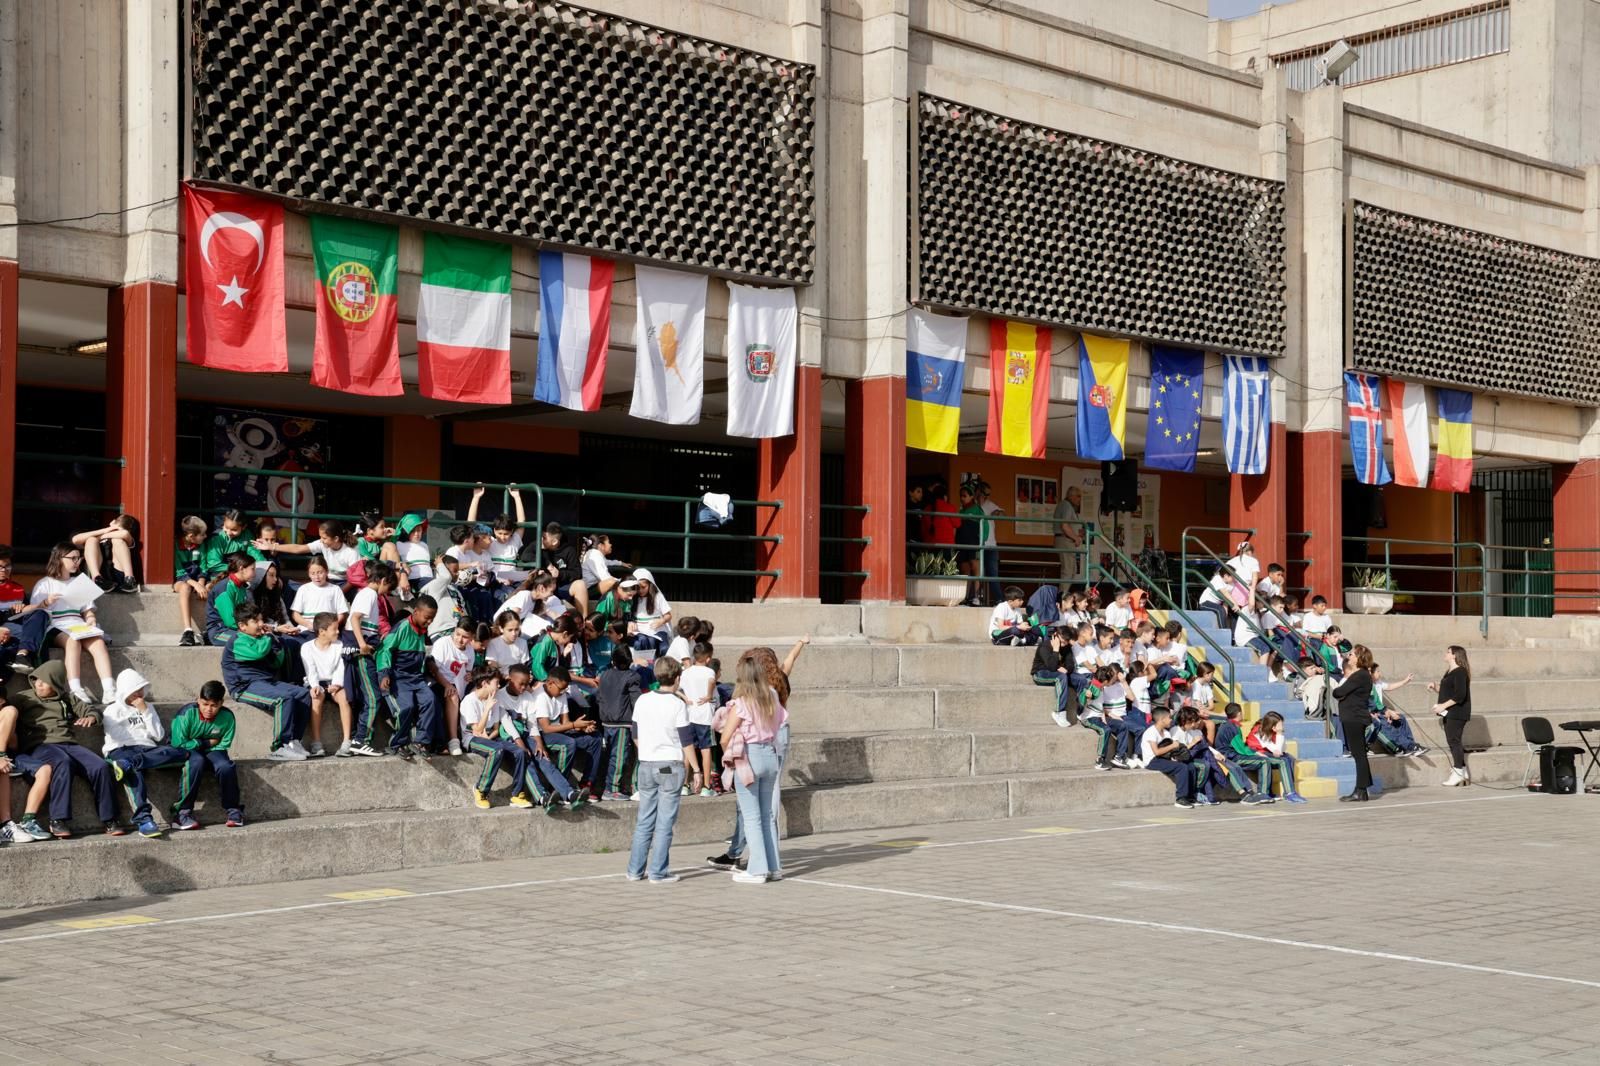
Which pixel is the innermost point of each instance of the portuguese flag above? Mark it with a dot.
(464, 320)
(358, 334)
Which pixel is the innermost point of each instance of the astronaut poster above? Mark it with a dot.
(282, 444)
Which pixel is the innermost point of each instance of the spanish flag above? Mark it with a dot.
(1452, 466)
(1019, 388)
(936, 363)
(1102, 397)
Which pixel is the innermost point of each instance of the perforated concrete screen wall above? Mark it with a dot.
(1440, 303)
(535, 120)
(1026, 221)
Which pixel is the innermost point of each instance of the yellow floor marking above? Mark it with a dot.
(1169, 821)
(110, 922)
(903, 843)
(371, 893)
(1052, 829)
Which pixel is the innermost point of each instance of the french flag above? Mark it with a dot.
(574, 329)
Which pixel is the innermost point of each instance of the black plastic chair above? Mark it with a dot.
(1536, 733)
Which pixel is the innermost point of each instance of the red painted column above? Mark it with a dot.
(8, 395)
(1261, 502)
(1315, 506)
(142, 323)
(875, 476)
(790, 470)
(1577, 525)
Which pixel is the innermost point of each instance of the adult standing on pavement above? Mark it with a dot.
(750, 745)
(1068, 517)
(1355, 713)
(1455, 708)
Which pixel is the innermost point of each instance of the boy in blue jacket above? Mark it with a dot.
(250, 667)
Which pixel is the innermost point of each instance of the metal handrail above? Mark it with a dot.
(1255, 598)
(1150, 586)
(1455, 546)
(1024, 549)
(1183, 551)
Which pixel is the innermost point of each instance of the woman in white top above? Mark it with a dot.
(72, 627)
(1245, 565)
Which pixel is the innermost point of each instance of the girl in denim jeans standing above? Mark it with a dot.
(665, 742)
(749, 741)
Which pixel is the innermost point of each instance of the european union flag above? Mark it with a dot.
(1176, 384)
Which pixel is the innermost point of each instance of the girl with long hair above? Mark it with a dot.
(749, 743)
(1454, 690)
(72, 628)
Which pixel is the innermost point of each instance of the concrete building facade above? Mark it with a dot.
(98, 127)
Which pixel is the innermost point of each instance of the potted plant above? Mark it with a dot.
(1372, 592)
(937, 581)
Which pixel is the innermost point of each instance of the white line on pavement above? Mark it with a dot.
(1166, 927)
(874, 848)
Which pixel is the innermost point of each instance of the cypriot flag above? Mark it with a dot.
(669, 336)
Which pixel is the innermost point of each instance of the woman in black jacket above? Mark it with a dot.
(1355, 713)
(1455, 707)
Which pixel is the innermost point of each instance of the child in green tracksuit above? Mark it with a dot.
(404, 671)
(206, 727)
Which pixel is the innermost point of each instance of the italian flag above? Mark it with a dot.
(358, 326)
(464, 320)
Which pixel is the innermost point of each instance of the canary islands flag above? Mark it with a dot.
(1102, 397)
(1019, 388)
(936, 365)
(1452, 466)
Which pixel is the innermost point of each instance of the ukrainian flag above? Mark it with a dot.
(936, 363)
(1452, 467)
(1019, 388)
(1102, 397)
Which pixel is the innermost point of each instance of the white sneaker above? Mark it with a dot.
(667, 880)
(1119, 762)
(316, 751)
(300, 749)
(634, 798)
(745, 877)
(775, 875)
(1060, 718)
(285, 754)
(455, 746)
(344, 751)
(15, 834)
(1453, 780)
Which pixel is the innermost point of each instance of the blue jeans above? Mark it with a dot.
(138, 758)
(756, 809)
(28, 635)
(737, 842)
(659, 785)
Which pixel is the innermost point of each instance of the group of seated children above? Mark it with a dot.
(1199, 752)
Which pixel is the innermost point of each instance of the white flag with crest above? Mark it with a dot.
(761, 361)
(669, 338)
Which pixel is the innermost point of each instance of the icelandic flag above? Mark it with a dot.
(574, 329)
(1362, 400)
(1172, 437)
(1102, 397)
(1408, 421)
(1452, 466)
(1246, 413)
(936, 364)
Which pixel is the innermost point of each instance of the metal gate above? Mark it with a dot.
(1520, 523)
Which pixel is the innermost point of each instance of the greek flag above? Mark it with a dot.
(1246, 413)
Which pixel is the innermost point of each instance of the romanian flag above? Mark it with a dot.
(1102, 397)
(1019, 388)
(1452, 466)
(936, 362)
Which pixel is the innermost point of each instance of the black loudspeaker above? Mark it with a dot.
(1119, 485)
(1558, 769)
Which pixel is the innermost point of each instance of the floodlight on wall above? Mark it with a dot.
(1335, 61)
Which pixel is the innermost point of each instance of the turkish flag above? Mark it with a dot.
(233, 275)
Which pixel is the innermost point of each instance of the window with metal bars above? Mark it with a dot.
(1457, 37)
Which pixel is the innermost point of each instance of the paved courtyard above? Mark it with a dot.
(1422, 928)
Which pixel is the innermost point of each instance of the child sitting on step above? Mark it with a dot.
(1010, 623)
(1053, 665)
(1211, 765)
(1266, 738)
(1166, 750)
(189, 580)
(228, 597)
(252, 666)
(323, 660)
(1227, 738)
(205, 727)
(135, 742)
(1390, 731)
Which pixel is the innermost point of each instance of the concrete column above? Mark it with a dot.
(1316, 406)
(142, 321)
(1577, 520)
(790, 471)
(8, 265)
(153, 143)
(875, 477)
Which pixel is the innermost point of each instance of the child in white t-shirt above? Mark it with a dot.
(1119, 612)
(682, 646)
(316, 596)
(454, 656)
(323, 658)
(1317, 622)
(509, 647)
(330, 545)
(505, 539)
(1164, 749)
(1008, 624)
(416, 558)
(698, 687)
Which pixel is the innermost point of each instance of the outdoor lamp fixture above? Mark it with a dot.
(1336, 60)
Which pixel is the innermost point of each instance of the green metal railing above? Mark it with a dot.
(1184, 570)
(1265, 608)
(845, 509)
(1130, 571)
(1291, 563)
(1053, 553)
